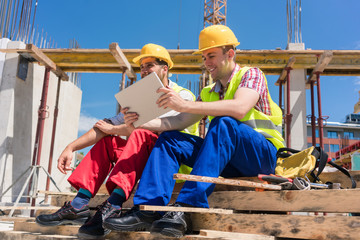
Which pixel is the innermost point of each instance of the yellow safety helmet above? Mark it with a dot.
(216, 36)
(156, 51)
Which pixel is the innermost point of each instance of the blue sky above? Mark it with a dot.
(258, 24)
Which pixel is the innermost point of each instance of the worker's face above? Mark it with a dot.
(149, 65)
(217, 62)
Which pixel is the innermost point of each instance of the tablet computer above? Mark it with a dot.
(141, 98)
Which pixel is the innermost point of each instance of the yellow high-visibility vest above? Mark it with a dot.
(270, 126)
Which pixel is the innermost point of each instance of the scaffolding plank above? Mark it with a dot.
(271, 62)
(226, 181)
(283, 74)
(234, 235)
(185, 209)
(329, 200)
(285, 226)
(321, 65)
(122, 60)
(45, 60)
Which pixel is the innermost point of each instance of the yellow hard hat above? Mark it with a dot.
(156, 51)
(216, 36)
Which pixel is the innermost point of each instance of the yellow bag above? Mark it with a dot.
(308, 164)
(299, 164)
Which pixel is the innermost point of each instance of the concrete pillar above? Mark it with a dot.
(298, 138)
(19, 105)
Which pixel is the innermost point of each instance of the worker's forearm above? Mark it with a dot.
(89, 138)
(122, 130)
(178, 122)
(216, 108)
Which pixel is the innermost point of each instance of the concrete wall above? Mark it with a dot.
(19, 105)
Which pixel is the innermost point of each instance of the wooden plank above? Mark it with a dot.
(226, 181)
(344, 62)
(283, 74)
(17, 219)
(122, 60)
(285, 226)
(184, 209)
(338, 177)
(68, 230)
(329, 200)
(29, 208)
(22, 235)
(72, 230)
(234, 235)
(43, 59)
(321, 65)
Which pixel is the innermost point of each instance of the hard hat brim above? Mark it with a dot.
(138, 59)
(220, 45)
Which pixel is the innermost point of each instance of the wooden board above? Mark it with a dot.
(226, 181)
(184, 209)
(335, 201)
(338, 177)
(68, 230)
(285, 226)
(272, 62)
(22, 235)
(71, 231)
(234, 235)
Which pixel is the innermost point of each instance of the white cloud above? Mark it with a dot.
(86, 122)
(357, 45)
(357, 81)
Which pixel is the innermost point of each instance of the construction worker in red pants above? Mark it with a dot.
(122, 161)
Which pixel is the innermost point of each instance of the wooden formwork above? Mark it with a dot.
(260, 215)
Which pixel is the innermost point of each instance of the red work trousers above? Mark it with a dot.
(122, 160)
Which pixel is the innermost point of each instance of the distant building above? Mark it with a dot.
(337, 135)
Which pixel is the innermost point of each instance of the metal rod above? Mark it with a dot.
(13, 30)
(288, 114)
(280, 95)
(320, 123)
(41, 121)
(313, 124)
(56, 111)
(22, 190)
(18, 179)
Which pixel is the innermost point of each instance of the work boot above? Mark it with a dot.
(173, 224)
(133, 220)
(66, 215)
(93, 229)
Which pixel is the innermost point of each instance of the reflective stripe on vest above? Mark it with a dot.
(270, 126)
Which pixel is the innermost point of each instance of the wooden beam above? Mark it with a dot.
(67, 230)
(226, 181)
(283, 226)
(44, 60)
(121, 59)
(234, 235)
(329, 200)
(321, 64)
(283, 74)
(271, 62)
(184, 209)
(29, 208)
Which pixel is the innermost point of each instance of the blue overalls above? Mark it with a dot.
(230, 149)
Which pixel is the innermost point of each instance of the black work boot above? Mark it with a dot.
(66, 215)
(93, 229)
(133, 220)
(173, 224)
